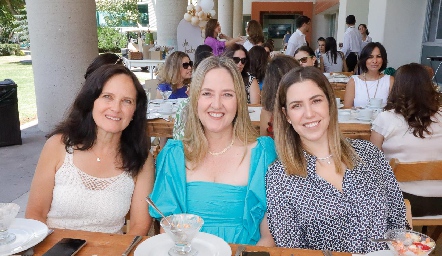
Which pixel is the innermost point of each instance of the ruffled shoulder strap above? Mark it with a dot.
(255, 207)
(169, 192)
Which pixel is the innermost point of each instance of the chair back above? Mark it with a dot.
(416, 171)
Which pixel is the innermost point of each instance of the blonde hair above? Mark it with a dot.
(288, 142)
(195, 142)
(170, 72)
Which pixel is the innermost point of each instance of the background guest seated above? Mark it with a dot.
(95, 165)
(326, 192)
(217, 171)
(410, 130)
(241, 58)
(372, 83)
(175, 75)
(276, 69)
(306, 56)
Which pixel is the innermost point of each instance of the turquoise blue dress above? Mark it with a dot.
(233, 213)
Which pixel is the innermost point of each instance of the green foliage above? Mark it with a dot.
(10, 49)
(8, 8)
(110, 40)
(118, 12)
(21, 21)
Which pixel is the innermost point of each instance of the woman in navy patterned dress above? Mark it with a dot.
(326, 192)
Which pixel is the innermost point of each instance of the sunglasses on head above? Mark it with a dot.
(304, 59)
(186, 65)
(238, 59)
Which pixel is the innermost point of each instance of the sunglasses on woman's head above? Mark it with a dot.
(238, 59)
(186, 65)
(304, 59)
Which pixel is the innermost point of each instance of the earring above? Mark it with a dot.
(290, 121)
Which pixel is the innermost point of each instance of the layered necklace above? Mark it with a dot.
(327, 159)
(366, 87)
(224, 150)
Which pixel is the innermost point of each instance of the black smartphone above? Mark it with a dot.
(255, 253)
(66, 247)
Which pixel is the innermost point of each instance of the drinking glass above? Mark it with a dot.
(166, 94)
(8, 211)
(182, 228)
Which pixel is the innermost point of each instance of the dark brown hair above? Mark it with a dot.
(258, 62)
(230, 51)
(366, 52)
(254, 30)
(78, 130)
(414, 96)
(276, 69)
(210, 27)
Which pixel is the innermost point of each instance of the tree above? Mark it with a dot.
(21, 22)
(118, 12)
(9, 8)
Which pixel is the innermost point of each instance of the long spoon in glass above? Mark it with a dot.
(149, 201)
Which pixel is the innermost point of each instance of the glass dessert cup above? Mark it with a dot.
(8, 211)
(409, 243)
(182, 228)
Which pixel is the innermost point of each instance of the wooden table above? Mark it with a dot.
(162, 128)
(101, 244)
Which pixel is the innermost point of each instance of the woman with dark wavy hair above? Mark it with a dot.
(96, 166)
(241, 58)
(410, 129)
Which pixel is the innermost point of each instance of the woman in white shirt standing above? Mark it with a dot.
(371, 83)
(364, 33)
(410, 129)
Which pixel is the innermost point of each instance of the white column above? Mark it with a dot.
(64, 41)
(237, 18)
(169, 13)
(225, 16)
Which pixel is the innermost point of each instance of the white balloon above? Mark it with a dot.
(190, 7)
(203, 23)
(198, 8)
(194, 21)
(201, 14)
(206, 5)
(187, 17)
(212, 13)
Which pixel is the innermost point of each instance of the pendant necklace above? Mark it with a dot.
(366, 87)
(98, 159)
(222, 151)
(327, 158)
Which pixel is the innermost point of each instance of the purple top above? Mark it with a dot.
(218, 47)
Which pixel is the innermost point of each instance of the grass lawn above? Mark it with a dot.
(21, 74)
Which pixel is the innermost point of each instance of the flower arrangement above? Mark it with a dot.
(199, 14)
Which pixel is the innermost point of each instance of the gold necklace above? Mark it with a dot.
(222, 151)
(327, 158)
(366, 87)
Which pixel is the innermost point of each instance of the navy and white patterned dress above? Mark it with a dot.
(311, 213)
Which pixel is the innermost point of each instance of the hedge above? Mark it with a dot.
(10, 49)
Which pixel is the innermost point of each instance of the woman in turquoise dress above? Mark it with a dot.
(217, 171)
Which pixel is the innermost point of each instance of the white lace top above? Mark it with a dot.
(83, 202)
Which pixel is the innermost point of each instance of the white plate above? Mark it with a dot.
(363, 119)
(340, 105)
(163, 112)
(380, 253)
(28, 233)
(373, 107)
(206, 244)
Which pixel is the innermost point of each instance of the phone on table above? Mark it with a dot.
(66, 247)
(255, 253)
